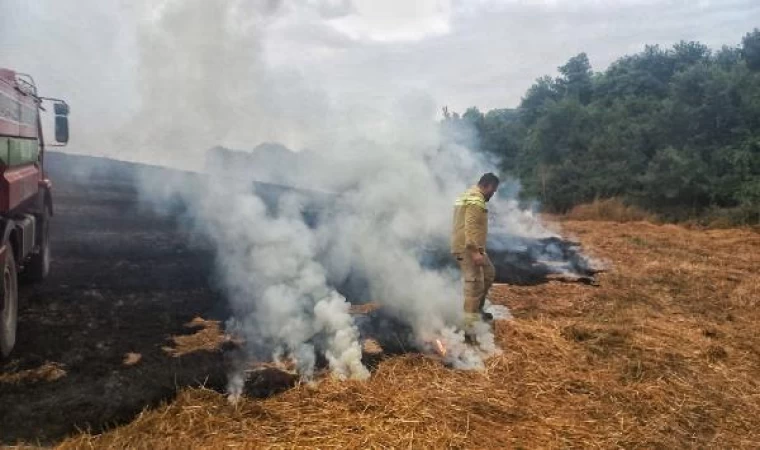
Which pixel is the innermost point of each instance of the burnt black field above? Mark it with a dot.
(122, 280)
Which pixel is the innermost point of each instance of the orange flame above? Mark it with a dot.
(441, 347)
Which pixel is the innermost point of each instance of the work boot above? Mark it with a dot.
(470, 339)
(468, 326)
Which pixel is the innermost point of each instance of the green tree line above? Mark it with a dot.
(674, 130)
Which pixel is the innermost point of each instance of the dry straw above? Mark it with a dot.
(664, 354)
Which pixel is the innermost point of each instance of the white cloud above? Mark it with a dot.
(395, 20)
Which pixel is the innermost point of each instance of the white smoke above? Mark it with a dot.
(394, 175)
(203, 77)
(278, 291)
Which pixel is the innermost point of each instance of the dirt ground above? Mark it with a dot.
(123, 281)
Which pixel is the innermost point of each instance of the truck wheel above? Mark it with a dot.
(8, 304)
(39, 265)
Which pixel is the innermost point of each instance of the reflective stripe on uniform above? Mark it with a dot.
(469, 199)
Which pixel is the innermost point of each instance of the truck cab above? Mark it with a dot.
(26, 201)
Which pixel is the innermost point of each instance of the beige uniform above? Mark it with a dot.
(468, 236)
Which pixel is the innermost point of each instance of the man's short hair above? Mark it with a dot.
(488, 179)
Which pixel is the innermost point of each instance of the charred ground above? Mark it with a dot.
(123, 280)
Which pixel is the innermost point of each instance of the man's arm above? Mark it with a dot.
(474, 234)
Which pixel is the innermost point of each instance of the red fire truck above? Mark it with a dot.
(26, 202)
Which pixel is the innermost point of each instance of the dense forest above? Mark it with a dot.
(673, 130)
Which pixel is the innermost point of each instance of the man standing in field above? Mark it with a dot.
(468, 245)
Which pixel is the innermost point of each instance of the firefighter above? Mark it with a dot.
(468, 246)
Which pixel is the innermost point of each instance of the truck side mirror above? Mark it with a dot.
(62, 129)
(61, 110)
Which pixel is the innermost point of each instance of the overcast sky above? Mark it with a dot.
(488, 52)
(461, 53)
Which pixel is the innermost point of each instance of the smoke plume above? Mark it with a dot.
(205, 74)
(391, 173)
